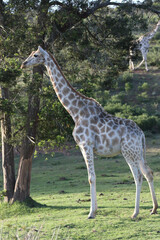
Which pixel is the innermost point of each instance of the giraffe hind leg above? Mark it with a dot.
(148, 174)
(138, 178)
(133, 163)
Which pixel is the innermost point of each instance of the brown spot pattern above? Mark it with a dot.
(66, 102)
(111, 134)
(87, 132)
(94, 129)
(79, 130)
(85, 122)
(65, 91)
(80, 104)
(71, 96)
(115, 141)
(103, 129)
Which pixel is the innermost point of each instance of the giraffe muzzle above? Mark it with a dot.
(23, 65)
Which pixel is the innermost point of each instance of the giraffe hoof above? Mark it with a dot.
(134, 215)
(91, 217)
(153, 212)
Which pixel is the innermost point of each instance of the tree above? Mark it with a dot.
(7, 148)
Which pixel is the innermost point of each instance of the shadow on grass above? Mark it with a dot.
(33, 204)
(30, 203)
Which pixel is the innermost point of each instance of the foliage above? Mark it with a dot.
(8, 78)
(154, 56)
(103, 49)
(147, 122)
(55, 125)
(128, 87)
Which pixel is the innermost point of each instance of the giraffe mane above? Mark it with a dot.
(81, 95)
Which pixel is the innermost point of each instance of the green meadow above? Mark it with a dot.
(60, 191)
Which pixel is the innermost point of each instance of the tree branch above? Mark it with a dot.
(99, 4)
(57, 3)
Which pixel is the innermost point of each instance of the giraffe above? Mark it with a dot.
(142, 45)
(96, 131)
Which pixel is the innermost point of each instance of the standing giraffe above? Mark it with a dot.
(142, 44)
(97, 131)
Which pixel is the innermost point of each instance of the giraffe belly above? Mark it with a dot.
(107, 152)
(107, 147)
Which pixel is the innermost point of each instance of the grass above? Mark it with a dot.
(61, 203)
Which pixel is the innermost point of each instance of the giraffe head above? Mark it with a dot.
(35, 58)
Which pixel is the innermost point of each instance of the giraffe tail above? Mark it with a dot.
(144, 147)
(145, 169)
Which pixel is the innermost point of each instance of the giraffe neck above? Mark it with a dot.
(152, 33)
(72, 100)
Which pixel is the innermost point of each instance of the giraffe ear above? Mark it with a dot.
(41, 50)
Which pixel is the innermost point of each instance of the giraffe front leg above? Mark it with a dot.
(145, 59)
(146, 67)
(138, 184)
(131, 65)
(87, 152)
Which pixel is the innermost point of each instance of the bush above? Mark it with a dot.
(126, 77)
(145, 86)
(154, 56)
(124, 110)
(151, 123)
(128, 86)
(143, 97)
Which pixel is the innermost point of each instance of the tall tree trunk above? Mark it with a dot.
(7, 152)
(22, 187)
(6, 134)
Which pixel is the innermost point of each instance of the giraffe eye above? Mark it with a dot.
(35, 55)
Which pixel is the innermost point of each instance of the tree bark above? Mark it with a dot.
(22, 187)
(7, 152)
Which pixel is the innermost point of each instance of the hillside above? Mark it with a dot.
(136, 95)
(144, 89)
